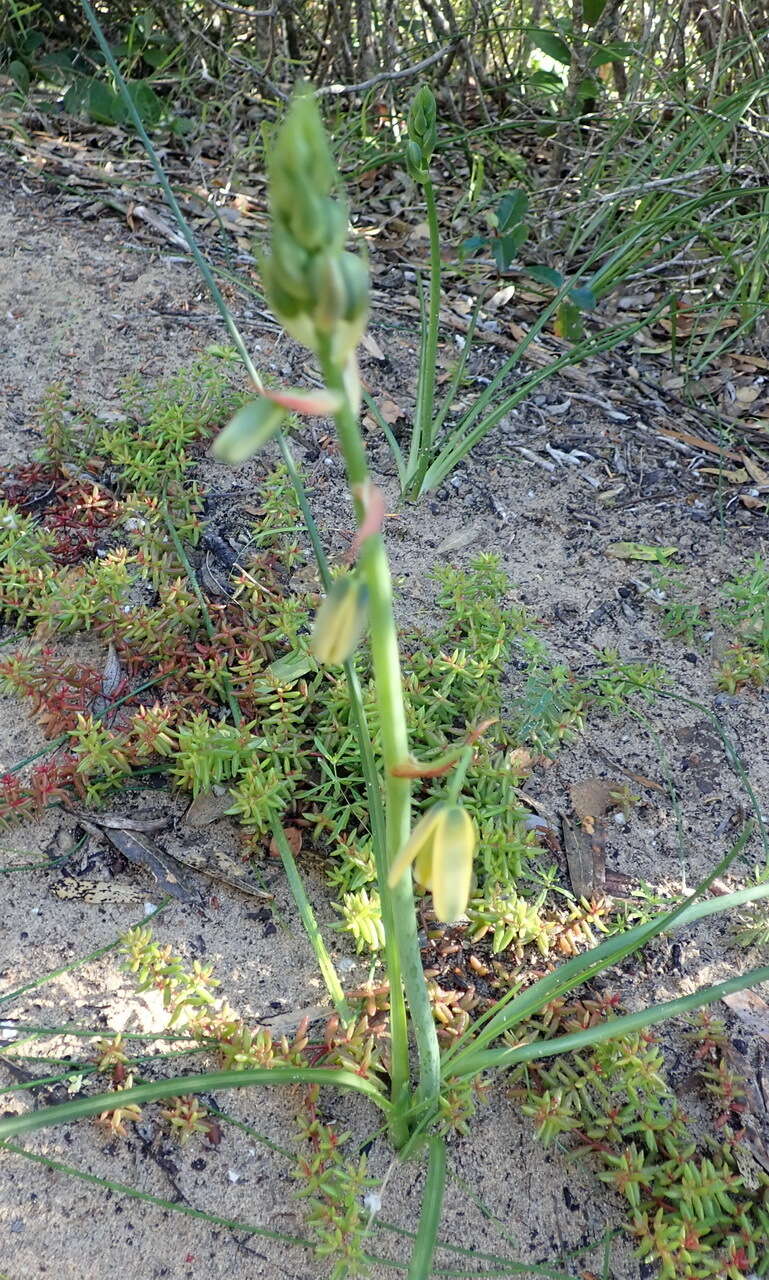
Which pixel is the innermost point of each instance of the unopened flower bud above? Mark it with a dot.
(417, 171)
(300, 157)
(442, 847)
(422, 133)
(317, 290)
(340, 621)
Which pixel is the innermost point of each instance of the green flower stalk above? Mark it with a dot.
(319, 292)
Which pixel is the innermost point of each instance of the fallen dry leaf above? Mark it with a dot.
(207, 808)
(697, 442)
(756, 473)
(592, 797)
(733, 477)
(293, 836)
(390, 410)
(520, 761)
(372, 346)
(460, 538)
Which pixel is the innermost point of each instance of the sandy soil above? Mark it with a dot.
(84, 304)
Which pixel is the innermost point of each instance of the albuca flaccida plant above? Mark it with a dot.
(319, 292)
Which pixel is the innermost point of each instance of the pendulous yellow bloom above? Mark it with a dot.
(442, 847)
(340, 621)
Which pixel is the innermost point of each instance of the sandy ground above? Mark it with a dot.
(84, 304)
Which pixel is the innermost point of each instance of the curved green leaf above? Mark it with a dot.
(545, 275)
(250, 429)
(178, 1086)
(583, 298)
(551, 43)
(511, 210)
(592, 10)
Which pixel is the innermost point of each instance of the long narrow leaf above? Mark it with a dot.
(451, 391)
(581, 968)
(432, 1203)
(304, 907)
(386, 429)
(461, 441)
(490, 1059)
(177, 1086)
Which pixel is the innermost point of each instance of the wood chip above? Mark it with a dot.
(585, 859)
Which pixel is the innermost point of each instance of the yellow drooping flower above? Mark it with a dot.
(442, 847)
(340, 621)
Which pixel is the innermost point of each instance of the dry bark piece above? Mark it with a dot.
(97, 893)
(139, 850)
(587, 867)
(208, 807)
(218, 865)
(591, 800)
(122, 823)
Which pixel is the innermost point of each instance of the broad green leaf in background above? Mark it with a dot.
(104, 105)
(592, 10)
(474, 242)
(19, 74)
(511, 210)
(146, 101)
(588, 88)
(568, 322)
(583, 298)
(548, 81)
(551, 43)
(618, 51)
(504, 248)
(545, 275)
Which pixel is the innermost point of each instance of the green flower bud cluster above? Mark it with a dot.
(422, 135)
(318, 291)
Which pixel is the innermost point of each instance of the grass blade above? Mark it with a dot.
(608, 953)
(614, 1028)
(304, 907)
